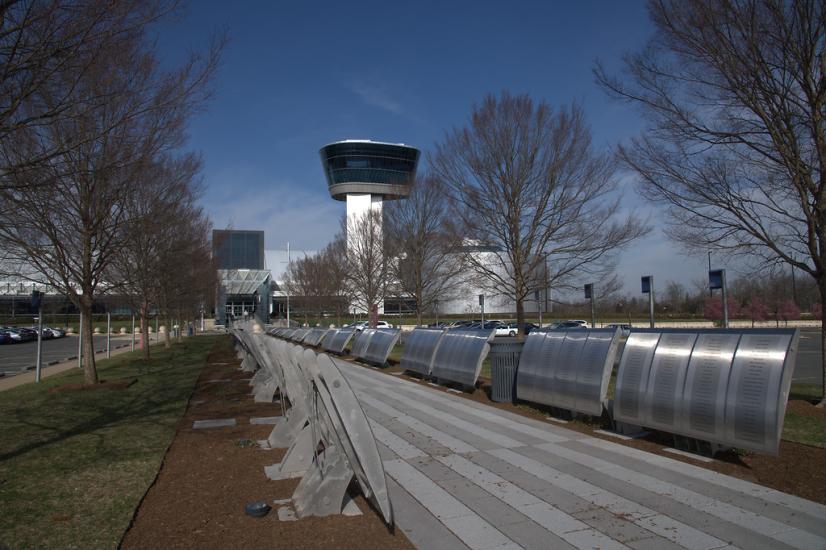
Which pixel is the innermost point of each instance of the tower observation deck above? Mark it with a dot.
(364, 167)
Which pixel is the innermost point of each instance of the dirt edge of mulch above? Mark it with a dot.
(207, 476)
(798, 470)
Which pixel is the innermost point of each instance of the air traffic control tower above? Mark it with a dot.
(366, 173)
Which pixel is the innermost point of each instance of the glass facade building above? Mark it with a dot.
(238, 249)
(372, 167)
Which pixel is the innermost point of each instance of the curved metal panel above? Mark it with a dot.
(340, 340)
(299, 334)
(567, 369)
(667, 381)
(315, 336)
(704, 399)
(530, 367)
(381, 344)
(595, 365)
(362, 342)
(327, 340)
(420, 349)
(460, 355)
(632, 376)
(563, 384)
(758, 391)
(360, 443)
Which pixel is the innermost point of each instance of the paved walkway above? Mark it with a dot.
(463, 474)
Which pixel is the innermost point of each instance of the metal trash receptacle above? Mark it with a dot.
(504, 360)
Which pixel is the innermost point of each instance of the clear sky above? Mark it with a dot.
(298, 75)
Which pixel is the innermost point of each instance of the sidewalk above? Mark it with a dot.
(464, 474)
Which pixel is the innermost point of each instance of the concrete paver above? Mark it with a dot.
(480, 477)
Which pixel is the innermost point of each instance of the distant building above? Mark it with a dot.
(238, 249)
(244, 283)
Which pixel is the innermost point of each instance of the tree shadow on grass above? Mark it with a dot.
(91, 413)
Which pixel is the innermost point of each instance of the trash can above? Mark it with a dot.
(504, 360)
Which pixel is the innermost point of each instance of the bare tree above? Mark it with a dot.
(527, 185)
(156, 209)
(735, 94)
(187, 274)
(62, 220)
(306, 281)
(48, 47)
(367, 272)
(426, 262)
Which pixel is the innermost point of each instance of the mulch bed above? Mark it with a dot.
(799, 470)
(209, 475)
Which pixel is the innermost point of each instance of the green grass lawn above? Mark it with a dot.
(810, 430)
(75, 464)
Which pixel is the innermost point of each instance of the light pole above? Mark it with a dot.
(286, 287)
(589, 295)
(709, 270)
(648, 288)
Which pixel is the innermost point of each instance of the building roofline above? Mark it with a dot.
(370, 142)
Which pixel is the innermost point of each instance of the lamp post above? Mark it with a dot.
(717, 279)
(647, 283)
(709, 270)
(589, 295)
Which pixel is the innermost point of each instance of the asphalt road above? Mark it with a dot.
(15, 358)
(809, 368)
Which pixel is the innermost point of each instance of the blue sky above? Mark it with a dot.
(298, 75)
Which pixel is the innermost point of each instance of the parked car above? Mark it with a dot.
(364, 324)
(47, 334)
(505, 329)
(16, 335)
(530, 327)
(566, 325)
(56, 332)
(625, 328)
(29, 334)
(439, 324)
(4, 337)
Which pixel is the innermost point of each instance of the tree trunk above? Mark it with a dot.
(90, 373)
(520, 318)
(144, 335)
(822, 287)
(167, 342)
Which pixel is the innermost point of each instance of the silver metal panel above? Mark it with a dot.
(362, 342)
(360, 444)
(563, 383)
(667, 380)
(341, 340)
(381, 344)
(530, 366)
(315, 336)
(536, 382)
(460, 355)
(756, 398)
(420, 349)
(327, 341)
(633, 375)
(704, 399)
(299, 334)
(594, 371)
